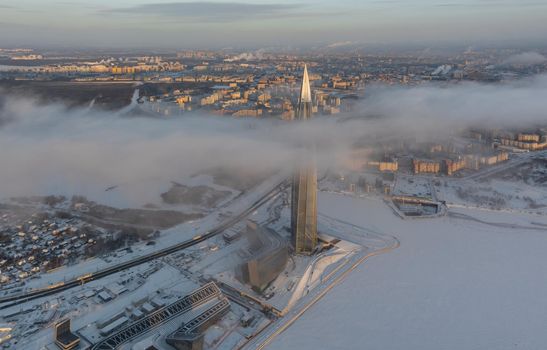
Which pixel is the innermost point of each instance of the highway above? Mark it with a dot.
(11, 300)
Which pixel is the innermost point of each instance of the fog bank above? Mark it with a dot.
(50, 149)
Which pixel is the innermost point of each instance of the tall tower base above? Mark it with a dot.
(304, 209)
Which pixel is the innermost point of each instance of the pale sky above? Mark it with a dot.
(263, 23)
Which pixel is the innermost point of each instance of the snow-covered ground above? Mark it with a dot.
(140, 193)
(452, 284)
(518, 185)
(169, 237)
(84, 311)
(499, 194)
(413, 187)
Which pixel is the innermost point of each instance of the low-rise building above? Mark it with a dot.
(420, 166)
(453, 165)
(525, 145)
(387, 164)
(265, 259)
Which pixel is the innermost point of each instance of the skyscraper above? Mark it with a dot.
(304, 186)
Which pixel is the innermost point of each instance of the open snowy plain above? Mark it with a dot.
(454, 283)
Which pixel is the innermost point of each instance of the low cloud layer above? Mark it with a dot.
(438, 109)
(525, 59)
(210, 11)
(49, 149)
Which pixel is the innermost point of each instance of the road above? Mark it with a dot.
(129, 107)
(39, 293)
(496, 224)
(265, 337)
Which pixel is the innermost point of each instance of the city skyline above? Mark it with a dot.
(259, 23)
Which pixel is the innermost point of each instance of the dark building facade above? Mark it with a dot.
(266, 258)
(64, 337)
(304, 186)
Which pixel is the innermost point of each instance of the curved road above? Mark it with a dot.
(268, 335)
(297, 313)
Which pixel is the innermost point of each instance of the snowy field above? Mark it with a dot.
(138, 193)
(497, 194)
(519, 185)
(169, 237)
(413, 187)
(452, 284)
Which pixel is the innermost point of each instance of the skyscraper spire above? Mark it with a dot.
(305, 90)
(304, 186)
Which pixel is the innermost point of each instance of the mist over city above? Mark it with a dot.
(137, 148)
(273, 175)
